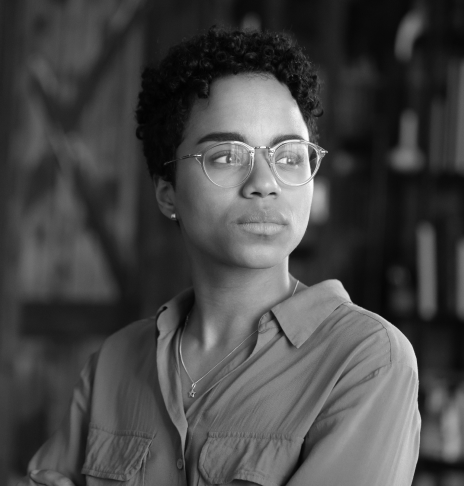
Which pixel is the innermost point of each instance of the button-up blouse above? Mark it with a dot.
(328, 397)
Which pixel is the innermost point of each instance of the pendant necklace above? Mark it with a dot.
(192, 391)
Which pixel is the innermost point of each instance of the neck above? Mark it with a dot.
(229, 302)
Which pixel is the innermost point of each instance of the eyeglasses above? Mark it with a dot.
(229, 164)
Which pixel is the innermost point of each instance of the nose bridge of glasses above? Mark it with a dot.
(269, 152)
(258, 167)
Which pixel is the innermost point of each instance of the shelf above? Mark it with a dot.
(440, 320)
(71, 320)
(438, 466)
(445, 180)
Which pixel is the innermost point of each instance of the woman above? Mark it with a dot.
(250, 377)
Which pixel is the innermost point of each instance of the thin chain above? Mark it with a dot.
(194, 383)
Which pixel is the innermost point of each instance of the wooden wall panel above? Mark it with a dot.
(73, 243)
(80, 79)
(9, 225)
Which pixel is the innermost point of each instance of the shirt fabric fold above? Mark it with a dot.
(328, 397)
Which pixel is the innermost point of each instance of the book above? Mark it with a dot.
(426, 270)
(459, 140)
(451, 115)
(460, 278)
(436, 134)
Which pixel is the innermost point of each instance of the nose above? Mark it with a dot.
(261, 182)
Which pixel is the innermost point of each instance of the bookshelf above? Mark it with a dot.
(423, 205)
(425, 235)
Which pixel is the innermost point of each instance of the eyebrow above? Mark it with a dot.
(236, 136)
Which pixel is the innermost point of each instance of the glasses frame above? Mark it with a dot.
(199, 157)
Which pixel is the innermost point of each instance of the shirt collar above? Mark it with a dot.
(299, 316)
(303, 313)
(171, 314)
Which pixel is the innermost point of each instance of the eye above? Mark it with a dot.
(289, 159)
(223, 158)
(227, 158)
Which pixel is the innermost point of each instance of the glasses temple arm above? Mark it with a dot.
(182, 158)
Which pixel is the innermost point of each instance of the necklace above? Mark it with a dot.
(192, 391)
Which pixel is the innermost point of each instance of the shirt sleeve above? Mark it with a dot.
(65, 450)
(367, 435)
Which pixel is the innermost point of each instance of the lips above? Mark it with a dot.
(263, 217)
(266, 223)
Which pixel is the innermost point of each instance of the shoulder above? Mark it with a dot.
(140, 329)
(125, 365)
(366, 329)
(133, 339)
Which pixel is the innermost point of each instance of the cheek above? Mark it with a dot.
(189, 184)
(302, 208)
(198, 201)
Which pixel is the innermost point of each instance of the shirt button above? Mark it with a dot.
(180, 463)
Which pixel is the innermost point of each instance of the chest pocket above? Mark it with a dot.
(115, 457)
(266, 460)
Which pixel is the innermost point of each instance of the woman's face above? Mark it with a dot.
(258, 224)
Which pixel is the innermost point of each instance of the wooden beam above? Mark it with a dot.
(61, 321)
(9, 80)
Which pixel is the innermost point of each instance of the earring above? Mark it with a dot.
(173, 217)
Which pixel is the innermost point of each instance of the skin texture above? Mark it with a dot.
(239, 270)
(238, 253)
(260, 109)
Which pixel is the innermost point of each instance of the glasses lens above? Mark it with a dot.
(227, 164)
(295, 163)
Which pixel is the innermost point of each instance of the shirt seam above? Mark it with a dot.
(366, 314)
(255, 436)
(191, 429)
(375, 373)
(142, 452)
(123, 433)
(246, 475)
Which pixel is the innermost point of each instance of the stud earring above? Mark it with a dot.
(173, 217)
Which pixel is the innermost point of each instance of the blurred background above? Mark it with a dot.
(84, 250)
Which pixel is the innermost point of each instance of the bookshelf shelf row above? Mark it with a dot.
(438, 466)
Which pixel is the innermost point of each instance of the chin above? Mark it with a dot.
(258, 257)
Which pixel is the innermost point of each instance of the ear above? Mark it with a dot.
(165, 196)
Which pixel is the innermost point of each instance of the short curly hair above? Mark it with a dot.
(186, 73)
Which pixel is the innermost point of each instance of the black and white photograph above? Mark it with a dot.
(232, 242)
